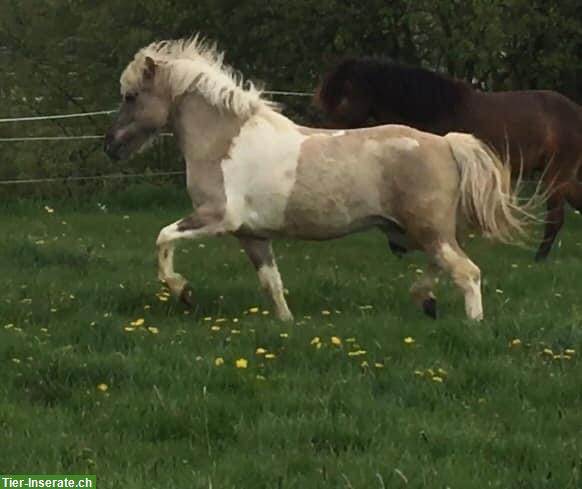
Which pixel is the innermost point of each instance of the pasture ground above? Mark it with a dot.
(338, 399)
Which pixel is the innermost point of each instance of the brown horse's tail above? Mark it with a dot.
(486, 197)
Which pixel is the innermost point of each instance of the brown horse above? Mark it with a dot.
(542, 130)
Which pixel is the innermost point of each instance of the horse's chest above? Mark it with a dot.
(258, 188)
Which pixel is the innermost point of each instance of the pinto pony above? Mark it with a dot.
(540, 130)
(255, 174)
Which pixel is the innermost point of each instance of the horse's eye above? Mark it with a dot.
(129, 98)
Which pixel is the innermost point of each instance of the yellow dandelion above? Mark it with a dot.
(437, 378)
(103, 387)
(265, 313)
(316, 340)
(318, 346)
(378, 365)
(570, 351)
(325, 312)
(364, 364)
(284, 335)
(253, 310)
(548, 351)
(336, 341)
(138, 322)
(242, 363)
(153, 330)
(235, 320)
(49, 210)
(218, 361)
(129, 329)
(431, 372)
(163, 298)
(207, 318)
(220, 320)
(409, 340)
(270, 356)
(260, 351)
(235, 331)
(356, 353)
(561, 356)
(515, 342)
(441, 371)
(215, 328)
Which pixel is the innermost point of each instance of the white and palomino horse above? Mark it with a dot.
(255, 174)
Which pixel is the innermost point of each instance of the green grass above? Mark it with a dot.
(503, 416)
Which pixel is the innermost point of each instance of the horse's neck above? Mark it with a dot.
(202, 131)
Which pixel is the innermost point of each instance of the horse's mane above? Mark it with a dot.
(195, 65)
(413, 93)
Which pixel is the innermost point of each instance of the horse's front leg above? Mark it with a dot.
(204, 222)
(260, 253)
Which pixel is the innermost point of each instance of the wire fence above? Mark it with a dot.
(78, 115)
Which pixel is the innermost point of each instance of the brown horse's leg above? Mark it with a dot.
(574, 195)
(260, 253)
(554, 222)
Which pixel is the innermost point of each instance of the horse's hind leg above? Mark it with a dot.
(554, 215)
(465, 274)
(422, 291)
(260, 253)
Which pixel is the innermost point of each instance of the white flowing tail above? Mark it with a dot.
(486, 198)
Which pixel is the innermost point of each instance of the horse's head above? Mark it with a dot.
(144, 111)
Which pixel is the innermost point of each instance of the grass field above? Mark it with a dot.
(340, 399)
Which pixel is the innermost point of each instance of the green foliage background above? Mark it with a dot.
(66, 56)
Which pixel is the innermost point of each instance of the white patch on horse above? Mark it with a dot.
(338, 133)
(271, 281)
(260, 174)
(404, 143)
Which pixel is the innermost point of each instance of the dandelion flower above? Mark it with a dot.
(364, 364)
(49, 210)
(153, 330)
(253, 310)
(515, 342)
(336, 341)
(220, 320)
(218, 361)
(270, 356)
(138, 322)
(315, 340)
(356, 353)
(129, 329)
(437, 378)
(325, 312)
(103, 387)
(284, 335)
(569, 351)
(378, 365)
(260, 351)
(265, 313)
(409, 340)
(208, 318)
(215, 328)
(548, 351)
(242, 363)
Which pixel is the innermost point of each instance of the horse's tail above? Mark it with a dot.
(486, 197)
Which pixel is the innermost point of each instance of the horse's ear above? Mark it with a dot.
(149, 71)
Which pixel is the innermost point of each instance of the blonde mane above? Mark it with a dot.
(194, 65)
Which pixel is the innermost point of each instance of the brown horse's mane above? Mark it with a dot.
(415, 94)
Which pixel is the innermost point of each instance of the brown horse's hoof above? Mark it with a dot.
(429, 307)
(187, 295)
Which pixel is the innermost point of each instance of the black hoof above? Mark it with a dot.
(541, 256)
(187, 295)
(398, 250)
(429, 307)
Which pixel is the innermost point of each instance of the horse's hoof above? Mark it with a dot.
(429, 307)
(541, 256)
(187, 295)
